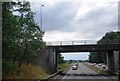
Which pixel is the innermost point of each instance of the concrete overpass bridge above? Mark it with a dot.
(48, 55)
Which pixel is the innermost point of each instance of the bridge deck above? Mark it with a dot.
(86, 48)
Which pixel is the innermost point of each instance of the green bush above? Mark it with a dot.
(8, 67)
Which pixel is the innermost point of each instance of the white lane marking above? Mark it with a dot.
(104, 77)
(65, 75)
(56, 77)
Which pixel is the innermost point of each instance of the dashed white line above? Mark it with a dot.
(65, 76)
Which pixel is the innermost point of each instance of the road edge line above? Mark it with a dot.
(65, 76)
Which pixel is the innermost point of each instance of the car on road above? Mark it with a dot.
(100, 64)
(103, 66)
(93, 64)
(74, 67)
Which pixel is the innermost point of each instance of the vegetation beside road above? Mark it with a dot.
(64, 66)
(98, 70)
(109, 38)
(95, 69)
(29, 72)
(21, 39)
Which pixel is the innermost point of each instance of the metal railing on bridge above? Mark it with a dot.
(80, 42)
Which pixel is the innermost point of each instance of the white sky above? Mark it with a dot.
(76, 56)
(69, 20)
(66, 20)
(76, 20)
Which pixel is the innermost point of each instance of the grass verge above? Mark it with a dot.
(29, 72)
(64, 66)
(113, 76)
(98, 70)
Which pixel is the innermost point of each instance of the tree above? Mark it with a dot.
(31, 35)
(8, 37)
(22, 37)
(60, 58)
(97, 57)
(109, 38)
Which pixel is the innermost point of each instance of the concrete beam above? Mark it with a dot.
(86, 48)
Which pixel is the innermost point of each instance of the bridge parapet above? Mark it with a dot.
(75, 42)
(80, 42)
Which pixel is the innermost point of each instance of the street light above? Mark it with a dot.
(41, 15)
(85, 37)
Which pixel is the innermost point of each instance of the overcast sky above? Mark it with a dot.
(66, 20)
(76, 20)
(76, 56)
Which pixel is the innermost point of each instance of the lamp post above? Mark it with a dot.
(41, 15)
(85, 36)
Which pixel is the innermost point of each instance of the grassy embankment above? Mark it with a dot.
(29, 72)
(98, 70)
(64, 66)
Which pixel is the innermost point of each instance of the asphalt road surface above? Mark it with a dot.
(83, 73)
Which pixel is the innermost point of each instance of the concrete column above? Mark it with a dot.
(116, 58)
(43, 58)
(47, 59)
(55, 60)
(110, 61)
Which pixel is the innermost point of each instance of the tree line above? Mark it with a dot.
(21, 36)
(60, 58)
(109, 38)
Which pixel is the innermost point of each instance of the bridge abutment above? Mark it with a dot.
(116, 60)
(112, 61)
(47, 59)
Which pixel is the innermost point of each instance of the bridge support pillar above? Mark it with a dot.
(55, 62)
(110, 61)
(116, 57)
(113, 61)
(47, 59)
